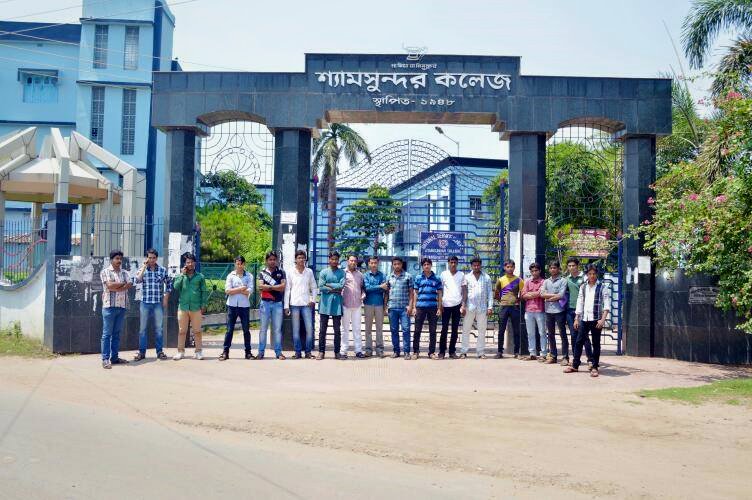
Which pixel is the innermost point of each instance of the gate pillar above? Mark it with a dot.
(639, 283)
(181, 182)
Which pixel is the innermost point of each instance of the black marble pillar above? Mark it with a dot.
(181, 181)
(639, 287)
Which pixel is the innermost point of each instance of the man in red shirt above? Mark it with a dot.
(535, 313)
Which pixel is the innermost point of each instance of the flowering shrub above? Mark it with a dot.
(702, 220)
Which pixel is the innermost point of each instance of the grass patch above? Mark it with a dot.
(734, 392)
(13, 343)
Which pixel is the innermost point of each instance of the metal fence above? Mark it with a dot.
(24, 243)
(99, 235)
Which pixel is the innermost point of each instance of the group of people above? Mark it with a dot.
(580, 304)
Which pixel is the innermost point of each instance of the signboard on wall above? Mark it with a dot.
(439, 245)
(588, 242)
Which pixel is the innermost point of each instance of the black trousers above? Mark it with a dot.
(233, 313)
(552, 321)
(323, 325)
(587, 327)
(505, 314)
(421, 313)
(449, 315)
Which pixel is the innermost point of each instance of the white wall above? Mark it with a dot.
(25, 305)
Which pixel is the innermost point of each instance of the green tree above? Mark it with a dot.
(701, 28)
(227, 188)
(337, 142)
(234, 230)
(492, 195)
(688, 130)
(367, 221)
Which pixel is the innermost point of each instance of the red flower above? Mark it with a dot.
(733, 95)
(693, 197)
(706, 238)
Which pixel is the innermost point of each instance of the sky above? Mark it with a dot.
(575, 38)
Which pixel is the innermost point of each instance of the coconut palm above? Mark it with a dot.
(338, 141)
(702, 26)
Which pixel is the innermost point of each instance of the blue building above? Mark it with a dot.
(94, 77)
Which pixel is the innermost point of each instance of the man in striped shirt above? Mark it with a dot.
(428, 288)
(115, 285)
(156, 286)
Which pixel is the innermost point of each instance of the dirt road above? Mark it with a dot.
(366, 429)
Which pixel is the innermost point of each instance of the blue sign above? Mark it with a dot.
(441, 244)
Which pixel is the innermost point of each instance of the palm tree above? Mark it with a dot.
(339, 140)
(701, 27)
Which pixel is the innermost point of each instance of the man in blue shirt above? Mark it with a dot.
(375, 306)
(400, 304)
(428, 288)
(156, 286)
(331, 283)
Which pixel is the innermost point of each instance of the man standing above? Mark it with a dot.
(192, 297)
(554, 293)
(271, 283)
(352, 301)
(238, 287)
(375, 306)
(300, 299)
(428, 289)
(453, 286)
(115, 284)
(574, 281)
(478, 303)
(535, 315)
(401, 304)
(331, 283)
(156, 288)
(508, 289)
(593, 307)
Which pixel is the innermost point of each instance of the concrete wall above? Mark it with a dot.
(689, 327)
(25, 303)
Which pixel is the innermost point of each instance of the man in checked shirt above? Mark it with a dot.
(156, 288)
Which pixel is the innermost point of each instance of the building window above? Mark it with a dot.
(39, 88)
(129, 122)
(131, 47)
(97, 115)
(100, 45)
(476, 206)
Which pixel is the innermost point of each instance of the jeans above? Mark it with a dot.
(450, 314)
(421, 313)
(155, 311)
(399, 317)
(307, 313)
(374, 314)
(479, 316)
(271, 311)
(112, 326)
(570, 323)
(505, 313)
(351, 320)
(233, 313)
(585, 328)
(557, 319)
(323, 326)
(533, 321)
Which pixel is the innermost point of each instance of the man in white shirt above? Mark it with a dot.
(238, 287)
(300, 299)
(453, 283)
(593, 307)
(478, 303)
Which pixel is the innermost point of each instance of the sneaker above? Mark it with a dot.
(224, 356)
(106, 364)
(542, 359)
(551, 360)
(139, 356)
(395, 355)
(532, 357)
(260, 355)
(336, 355)
(499, 356)
(249, 355)
(281, 357)
(516, 356)
(462, 356)
(161, 355)
(308, 355)
(198, 355)
(297, 355)
(180, 355)
(590, 365)
(454, 356)
(319, 356)
(565, 361)
(360, 355)
(380, 354)
(407, 356)
(415, 355)
(481, 356)
(368, 354)
(433, 355)
(343, 356)
(118, 361)
(442, 356)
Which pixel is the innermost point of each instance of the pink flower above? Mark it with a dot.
(721, 198)
(749, 249)
(693, 197)
(733, 95)
(651, 201)
(701, 101)
(646, 222)
(706, 238)
(734, 300)
(681, 205)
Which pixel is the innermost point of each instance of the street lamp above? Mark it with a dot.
(441, 131)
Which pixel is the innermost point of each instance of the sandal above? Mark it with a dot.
(224, 356)
(594, 372)
(570, 369)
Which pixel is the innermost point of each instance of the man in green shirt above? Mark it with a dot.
(331, 283)
(574, 280)
(192, 297)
